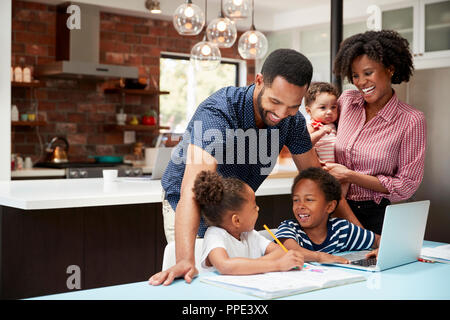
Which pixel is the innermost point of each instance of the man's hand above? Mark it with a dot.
(183, 268)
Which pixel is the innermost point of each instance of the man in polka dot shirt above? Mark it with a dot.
(239, 132)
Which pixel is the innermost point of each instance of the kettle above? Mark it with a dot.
(55, 152)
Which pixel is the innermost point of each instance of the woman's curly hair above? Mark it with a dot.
(217, 195)
(385, 46)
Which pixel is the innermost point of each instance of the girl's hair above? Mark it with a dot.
(319, 87)
(217, 195)
(329, 185)
(386, 47)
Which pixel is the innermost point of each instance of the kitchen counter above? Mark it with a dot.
(38, 173)
(72, 193)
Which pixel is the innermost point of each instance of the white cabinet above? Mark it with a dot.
(426, 25)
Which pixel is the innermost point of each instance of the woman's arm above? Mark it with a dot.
(275, 261)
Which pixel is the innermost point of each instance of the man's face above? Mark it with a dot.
(277, 102)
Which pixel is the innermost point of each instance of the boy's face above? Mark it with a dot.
(310, 206)
(324, 108)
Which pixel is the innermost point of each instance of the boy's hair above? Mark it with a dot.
(289, 64)
(319, 87)
(387, 47)
(217, 195)
(329, 185)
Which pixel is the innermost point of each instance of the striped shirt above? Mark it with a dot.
(391, 146)
(325, 146)
(341, 236)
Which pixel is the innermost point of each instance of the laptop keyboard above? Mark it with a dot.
(365, 262)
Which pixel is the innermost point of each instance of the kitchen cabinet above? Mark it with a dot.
(426, 25)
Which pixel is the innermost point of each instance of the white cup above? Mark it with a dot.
(28, 163)
(109, 175)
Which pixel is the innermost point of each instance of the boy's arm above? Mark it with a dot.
(315, 256)
(219, 258)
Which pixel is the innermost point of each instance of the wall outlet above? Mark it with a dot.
(129, 137)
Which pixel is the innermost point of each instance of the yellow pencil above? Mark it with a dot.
(275, 238)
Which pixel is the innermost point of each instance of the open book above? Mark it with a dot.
(279, 284)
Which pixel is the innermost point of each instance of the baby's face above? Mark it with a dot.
(310, 207)
(324, 108)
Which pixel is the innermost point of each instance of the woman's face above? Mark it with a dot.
(372, 79)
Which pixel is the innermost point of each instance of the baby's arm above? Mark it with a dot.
(316, 135)
(309, 255)
(219, 258)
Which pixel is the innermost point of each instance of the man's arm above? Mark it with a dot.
(306, 160)
(187, 219)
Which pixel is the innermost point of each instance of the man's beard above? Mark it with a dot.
(261, 111)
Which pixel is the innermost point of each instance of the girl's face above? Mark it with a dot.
(372, 79)
(324, 108)
(310, 206)
(248, 213)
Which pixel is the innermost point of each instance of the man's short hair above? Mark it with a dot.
(290, 64)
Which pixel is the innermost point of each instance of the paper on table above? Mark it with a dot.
(438, 253)
(278, 284)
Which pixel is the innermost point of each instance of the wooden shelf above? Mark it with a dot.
(34, 84)
(137, 127)
(150, 92)
(28, 123)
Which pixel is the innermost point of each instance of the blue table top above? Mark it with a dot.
(414, 281)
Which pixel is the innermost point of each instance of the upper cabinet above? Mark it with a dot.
(426, 25)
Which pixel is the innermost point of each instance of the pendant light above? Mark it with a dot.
(205, 55)
(253, 44)
(188, 19)
(222, 31)
(236, 9)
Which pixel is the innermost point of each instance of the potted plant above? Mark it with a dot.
(149, 118)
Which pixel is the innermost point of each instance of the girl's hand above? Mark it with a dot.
(290, 260)
(324, 257)
(339, 171)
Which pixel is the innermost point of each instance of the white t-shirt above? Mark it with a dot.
(252, 245)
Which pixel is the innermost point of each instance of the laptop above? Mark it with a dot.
(162, 159)
(401, 238)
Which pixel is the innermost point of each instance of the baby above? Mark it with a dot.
(321, 105)
(231, 245)
(315, 196)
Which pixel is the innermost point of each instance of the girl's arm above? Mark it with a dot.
(219, 258)
(309, 255)
(317, 134)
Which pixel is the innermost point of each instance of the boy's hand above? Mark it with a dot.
(324, 257)
(290, 260)
(372, 254)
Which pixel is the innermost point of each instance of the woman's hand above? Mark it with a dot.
(339, 171)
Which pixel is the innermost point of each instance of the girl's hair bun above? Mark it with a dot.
(208, 188)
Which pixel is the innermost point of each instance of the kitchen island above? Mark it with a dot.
(112, 233)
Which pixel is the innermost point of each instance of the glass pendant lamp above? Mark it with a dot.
(188, 19)
(236, 9)
(222, 31)
(253, 44)
(205, 55)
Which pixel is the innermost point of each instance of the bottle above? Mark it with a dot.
(18, 71)
(14, 113)
(26, 72)
(138, 154)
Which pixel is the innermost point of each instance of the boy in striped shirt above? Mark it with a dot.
(315, 196)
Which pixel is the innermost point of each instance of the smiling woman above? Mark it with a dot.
(381, 141)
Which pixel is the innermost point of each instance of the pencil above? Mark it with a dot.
(275, 238)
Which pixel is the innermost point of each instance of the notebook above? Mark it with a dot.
(401, 238)
(440, 253)
(279, 284)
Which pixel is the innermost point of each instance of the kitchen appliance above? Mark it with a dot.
(91, 169)
(57, 153)
(77, 50)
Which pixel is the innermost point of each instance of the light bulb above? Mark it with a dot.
(206, 50)
(222, 31)
(237, 2)
(205, 56)
(253, 38)
(188, 19)
(236, 9)
(221, 26)
(189, 12)
(253, 45)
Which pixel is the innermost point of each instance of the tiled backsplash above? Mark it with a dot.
(77, 108)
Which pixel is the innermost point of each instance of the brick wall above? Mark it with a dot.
(78, 109)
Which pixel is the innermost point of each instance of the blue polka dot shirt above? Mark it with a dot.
(224, 126)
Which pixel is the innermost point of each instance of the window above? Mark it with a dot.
(189, 87)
